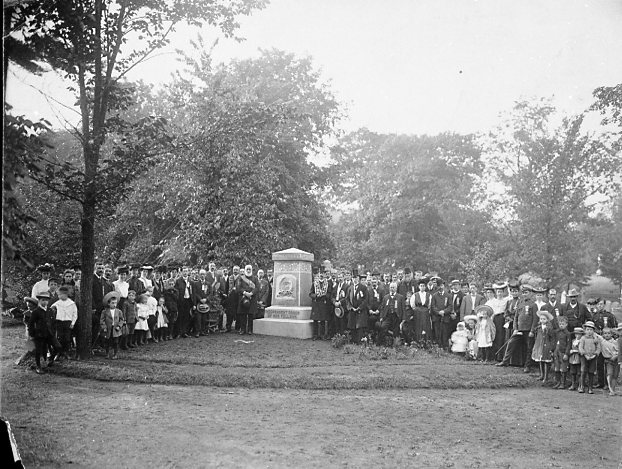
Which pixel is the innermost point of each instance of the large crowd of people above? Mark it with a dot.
(574, 345)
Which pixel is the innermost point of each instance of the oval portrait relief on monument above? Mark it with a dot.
(286, 286)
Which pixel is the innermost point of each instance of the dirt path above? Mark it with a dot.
(60, 421)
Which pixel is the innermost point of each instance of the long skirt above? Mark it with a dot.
(422, 325)
(498, 320)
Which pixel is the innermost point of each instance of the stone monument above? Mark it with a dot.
(290, 313)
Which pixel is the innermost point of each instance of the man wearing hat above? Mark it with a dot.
(357, 304)
(576, 313)
(520, 344)
(455, 296)
(41, 329)
(338, 298)
(440, 306)
(42, 285)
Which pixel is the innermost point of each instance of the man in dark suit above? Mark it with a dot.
(101, 286)
(392, 311)
(471, 301)
(376, 294)
(357, 302)
(184, 302)
(576, 313)
(455, 301)
(233, 298)
(440, 308)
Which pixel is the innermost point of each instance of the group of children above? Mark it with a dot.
(572, 355)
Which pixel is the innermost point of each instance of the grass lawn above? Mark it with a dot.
(219, 402)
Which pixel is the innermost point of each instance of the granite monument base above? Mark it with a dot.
(285, 321)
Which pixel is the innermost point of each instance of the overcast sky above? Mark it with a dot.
(423, 66)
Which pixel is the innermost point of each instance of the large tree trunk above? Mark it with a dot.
(86, 284)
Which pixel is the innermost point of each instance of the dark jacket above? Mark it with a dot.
(40, 325)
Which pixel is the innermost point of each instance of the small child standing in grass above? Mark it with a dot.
(459, 341)
(111, 323)
(142, 314)
(563, 341)
(484, 332)
(610, 351)
(589, 349)
(470, 320)
(162, 323)
(129, 311)
(544, 344)
(152, 319)
(574, 358)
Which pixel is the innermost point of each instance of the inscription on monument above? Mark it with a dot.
(282, 314)
(292, 267)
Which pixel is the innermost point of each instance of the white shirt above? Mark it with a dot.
(39, 287)
(66, 310)
(121, 287)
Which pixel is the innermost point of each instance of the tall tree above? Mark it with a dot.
(241, 182)
(88, 41)
(553, 176)
(404, 194)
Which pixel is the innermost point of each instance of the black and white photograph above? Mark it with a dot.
(311, 233)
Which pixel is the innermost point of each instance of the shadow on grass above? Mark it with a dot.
(269, 362)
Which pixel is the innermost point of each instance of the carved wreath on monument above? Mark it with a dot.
(286, 287)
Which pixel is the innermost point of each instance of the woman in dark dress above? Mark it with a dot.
(421, 324)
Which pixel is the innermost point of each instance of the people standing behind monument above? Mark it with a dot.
(263, 300)
(320, 295)
(248, 288)
(66, 313)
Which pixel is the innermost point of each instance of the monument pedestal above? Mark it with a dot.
(290, 313)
